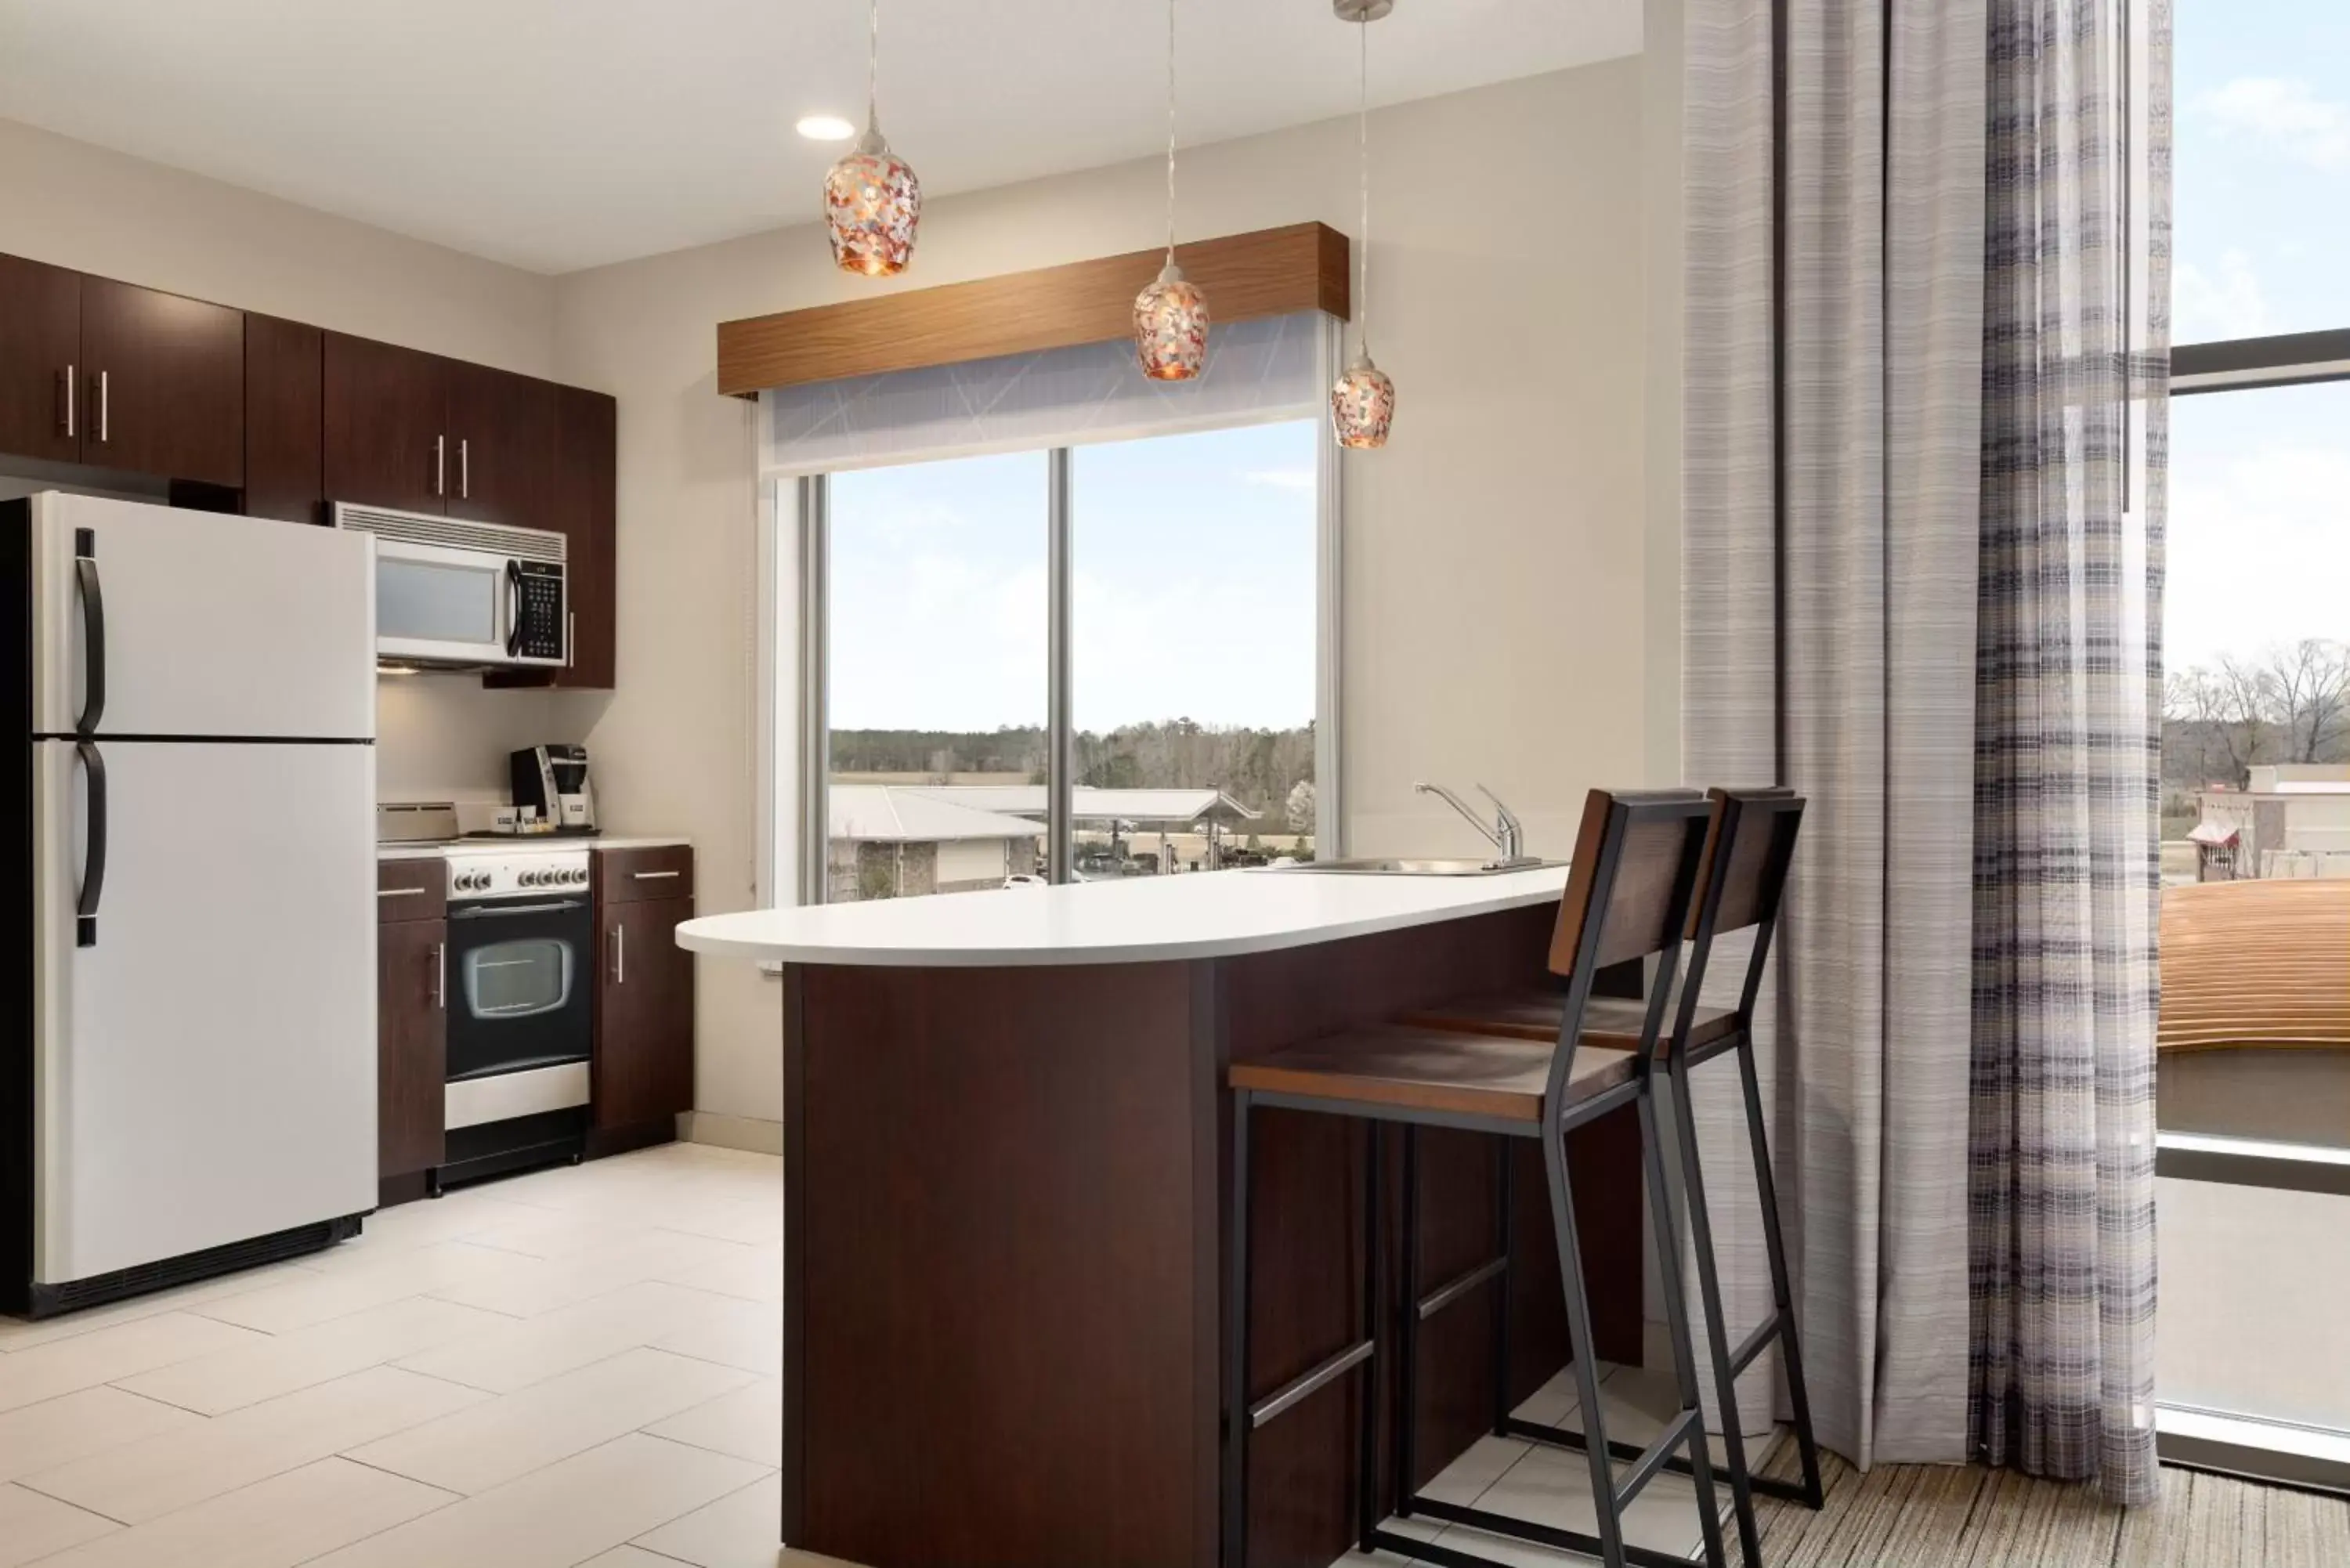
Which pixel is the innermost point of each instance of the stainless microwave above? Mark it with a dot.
(459, 595)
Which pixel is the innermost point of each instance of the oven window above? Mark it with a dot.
(517, 978)
(424, 601)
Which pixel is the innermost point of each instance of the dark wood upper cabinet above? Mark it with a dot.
(644, 1026)
(285, 420)
(502, 446)
(411, 1043)
(387, 425)
(40, 360)
(163, 384)
(582, 494)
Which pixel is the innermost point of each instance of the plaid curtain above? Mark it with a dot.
(2069, 742)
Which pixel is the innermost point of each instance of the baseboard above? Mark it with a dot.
(753, 1134)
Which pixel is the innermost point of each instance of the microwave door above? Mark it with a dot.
(441, 605)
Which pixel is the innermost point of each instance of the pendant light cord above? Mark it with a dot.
(1363, 157)
(873, 63)
(1170, 132)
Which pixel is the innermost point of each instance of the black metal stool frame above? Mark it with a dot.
(1685, 1430)
(1783, 811)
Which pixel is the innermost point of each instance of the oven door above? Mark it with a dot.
(519, 976)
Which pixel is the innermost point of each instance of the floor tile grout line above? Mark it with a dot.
(26, 1483)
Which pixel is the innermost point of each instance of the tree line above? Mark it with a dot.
(2291, 705)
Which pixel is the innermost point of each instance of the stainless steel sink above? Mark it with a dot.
(1385, 866)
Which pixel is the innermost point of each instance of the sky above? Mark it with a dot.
(1193, 594)
(2260, 481)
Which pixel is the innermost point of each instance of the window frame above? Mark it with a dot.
(2275, 1450)
(794, 569)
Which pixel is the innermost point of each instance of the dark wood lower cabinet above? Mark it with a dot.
(411, 1043)
(644, 1015)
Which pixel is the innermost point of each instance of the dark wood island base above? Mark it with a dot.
(1006, 1202)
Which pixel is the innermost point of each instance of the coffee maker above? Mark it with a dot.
(554, 778)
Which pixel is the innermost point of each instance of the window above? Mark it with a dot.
(2253, 1070)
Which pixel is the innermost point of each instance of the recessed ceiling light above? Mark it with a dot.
(826, 128)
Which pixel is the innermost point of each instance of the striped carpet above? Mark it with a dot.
(1947, 1516)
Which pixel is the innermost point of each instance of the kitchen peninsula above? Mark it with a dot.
(1006, 1149)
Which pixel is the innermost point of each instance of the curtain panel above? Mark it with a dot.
(2069, 742)
(1833, 366)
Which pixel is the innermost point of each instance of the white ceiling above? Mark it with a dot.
(558, 134)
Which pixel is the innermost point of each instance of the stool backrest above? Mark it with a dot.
(1629, 894)
(1750, 849)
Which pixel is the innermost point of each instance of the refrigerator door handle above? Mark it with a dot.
(93, 870)
(93, 628)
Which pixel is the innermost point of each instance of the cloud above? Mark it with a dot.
(1291, 479)
(2207, 309)
(2286, 111)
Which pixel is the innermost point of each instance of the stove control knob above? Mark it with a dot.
(577, 878)
(532, 878)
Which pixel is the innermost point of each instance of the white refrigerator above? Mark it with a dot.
(192, 1087)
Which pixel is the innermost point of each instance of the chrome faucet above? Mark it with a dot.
(1507, 835)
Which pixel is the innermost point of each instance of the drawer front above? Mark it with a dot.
(411, 890)
(630, 875)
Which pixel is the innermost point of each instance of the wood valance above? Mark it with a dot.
(1268, 272)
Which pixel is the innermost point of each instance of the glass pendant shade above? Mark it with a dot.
(1362, 405)
(872, 204)
(1171, 328)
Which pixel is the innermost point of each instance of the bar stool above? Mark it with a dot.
(1628, 895)
(1749, 848)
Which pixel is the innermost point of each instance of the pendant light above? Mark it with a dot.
(871, 200)
(1170, 317)
(1362, 404)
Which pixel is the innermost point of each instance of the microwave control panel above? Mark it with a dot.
(537, 633)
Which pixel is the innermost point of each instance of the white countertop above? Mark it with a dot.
(1142, 921)
(508, 842)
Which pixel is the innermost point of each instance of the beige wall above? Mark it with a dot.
(1497, 564)
(79, 206)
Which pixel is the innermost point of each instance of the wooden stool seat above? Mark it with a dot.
(1610, 1022)
(1443, 1071)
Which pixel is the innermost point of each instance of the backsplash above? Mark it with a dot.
(444, 737)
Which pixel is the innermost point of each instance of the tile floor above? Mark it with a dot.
(573, 1367)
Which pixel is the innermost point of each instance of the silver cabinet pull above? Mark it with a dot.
(396, 892)
(105, 423)
(440, 976)
(620, 955)
(653, 876)
(464, 469)
(439, 465)
(570, 624)
(70, 400)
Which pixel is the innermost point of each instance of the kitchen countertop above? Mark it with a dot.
(525, 841)
(1145, 919)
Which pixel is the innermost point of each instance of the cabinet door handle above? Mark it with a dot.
(464, 469)
(439, 465)
(440, 976)
(653, 876)
(398, 892)
(105, 419)
(620, 955)
(70, 400)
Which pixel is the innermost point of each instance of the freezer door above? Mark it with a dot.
(198, 624)
(204, 1071)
